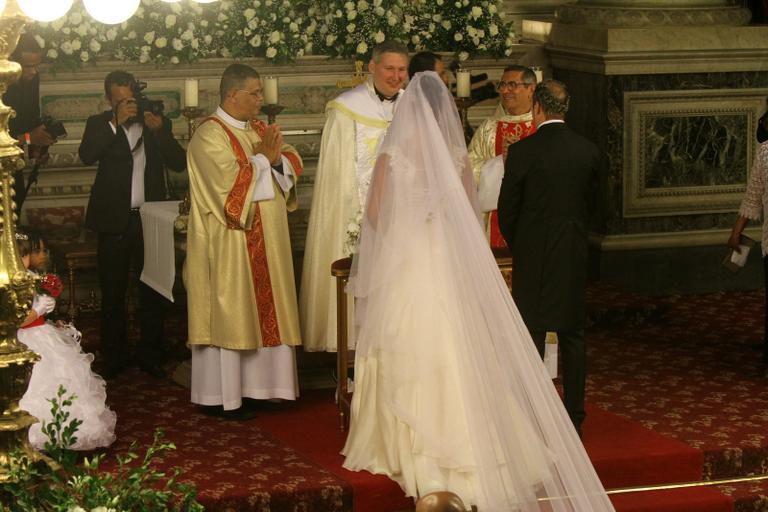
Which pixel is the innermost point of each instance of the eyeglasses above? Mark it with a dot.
(511, 85)
(256, 94)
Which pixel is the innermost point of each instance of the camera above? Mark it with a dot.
(143, 103)
(53, 126)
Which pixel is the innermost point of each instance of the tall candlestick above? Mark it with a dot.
(190, 92)
(463, 84)
(270, 90)
(539, 74)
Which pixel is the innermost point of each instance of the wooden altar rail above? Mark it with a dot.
(340, 270)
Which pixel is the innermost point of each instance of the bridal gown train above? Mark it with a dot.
(450, 392)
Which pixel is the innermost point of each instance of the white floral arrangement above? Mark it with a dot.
(278, 30)
(352, 238)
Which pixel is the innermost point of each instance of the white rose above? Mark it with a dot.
(274, 36)
(439, 2)
(349, 6)
(52, 54)
(415, 39)
(177, 44)
(207, 38)
(465, 3)
(57, 24)
(222, 17)
(177, 7)
(111, 34)
(76, 44)
(362, 47)
(203, 23)
(170, 20)
(329, 39)
(409, 19)
(362, 5)
(75, 509)
(457, 36)
(458, 4)
(195, 43)
(271, 52)
(149, 37)
(82, 30)
(84, 56)
(492, 8)
(161, 42)
(351, 27)
(293, 27)
(253, 24)
(187, 35)
(472, 31)
(391, 20)
(379, 11)
(224, 52)
(477, 12)
(493, 29)
(132, 34)
(66, 30)
(446, 24)
(351, 15)
(95, 46)
(255, 41)
(249, 13)
(437, 18)
(379, 37)
(481, 33)
(463, 56)
(300, 52)
(75, 18)
(66, 47)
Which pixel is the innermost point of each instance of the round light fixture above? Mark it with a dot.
(45, 10)
(111, 13)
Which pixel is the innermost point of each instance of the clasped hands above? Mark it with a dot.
(270, 144)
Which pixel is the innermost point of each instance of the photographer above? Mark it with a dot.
(24, 97)
(132, 144)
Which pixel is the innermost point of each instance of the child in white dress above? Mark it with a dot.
(62, 362)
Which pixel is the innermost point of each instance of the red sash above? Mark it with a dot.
(506, 134)
(259, 127)
(254, 237)
(38, 321)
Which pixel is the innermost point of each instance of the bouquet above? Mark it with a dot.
(49, 284)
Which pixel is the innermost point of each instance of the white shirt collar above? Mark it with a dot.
(550, 121)
(235, 123)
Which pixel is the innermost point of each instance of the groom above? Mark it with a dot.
(549, 184)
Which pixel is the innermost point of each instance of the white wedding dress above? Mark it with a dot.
(63, 362)
(450, 392)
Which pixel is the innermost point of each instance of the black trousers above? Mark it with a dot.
(573, 353)
(117, 255)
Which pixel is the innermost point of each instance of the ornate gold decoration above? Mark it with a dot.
(16, 285)
(357, 79)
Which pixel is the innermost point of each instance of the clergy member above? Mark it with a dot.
(511, 122)
(356, 123)
(243, 315)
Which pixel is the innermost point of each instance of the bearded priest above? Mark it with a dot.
(356, 123)
(512, 121)
(243, 315)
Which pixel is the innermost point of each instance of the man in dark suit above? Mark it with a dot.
(549, 184)
(132, 149)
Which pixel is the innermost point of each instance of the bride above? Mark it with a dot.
(450, 392)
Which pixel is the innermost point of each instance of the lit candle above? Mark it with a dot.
(462, 83)
(539, 75)
(190, 92)
(270, 90)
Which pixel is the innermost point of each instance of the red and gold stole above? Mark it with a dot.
(259, 127)
(507, 133)
(257, 251)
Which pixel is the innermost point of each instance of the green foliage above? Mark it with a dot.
(69, 486)
(278, 30)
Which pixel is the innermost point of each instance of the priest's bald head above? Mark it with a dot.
(241, 92)
(389, 67)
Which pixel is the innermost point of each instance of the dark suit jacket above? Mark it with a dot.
(550, 182)
(110, 202)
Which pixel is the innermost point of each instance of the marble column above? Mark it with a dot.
(671, 89)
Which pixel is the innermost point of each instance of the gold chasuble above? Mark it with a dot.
(239, 269)
(492, 138)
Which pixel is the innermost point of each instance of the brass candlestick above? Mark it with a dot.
(272, 111)
(192, 114)
(463, 104)
(16, 285)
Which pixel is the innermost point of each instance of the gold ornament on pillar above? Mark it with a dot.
(16, 285)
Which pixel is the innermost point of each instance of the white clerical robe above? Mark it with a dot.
(243, 318)
(356, 123)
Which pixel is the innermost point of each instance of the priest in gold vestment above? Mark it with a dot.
(511, 122)
(356, 122)
(243, 315)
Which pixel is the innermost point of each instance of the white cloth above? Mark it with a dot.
(755, 203)
(62, 362)
(450, 392)
(133, 133)
(159, 272)
(491, 174)
(222, 377)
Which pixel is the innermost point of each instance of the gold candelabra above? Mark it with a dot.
(16, 285)
(463, 104)
(272, 111)
(192, 114)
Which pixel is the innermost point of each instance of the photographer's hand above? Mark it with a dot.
(126, 109)
(270, 144)
(153, 122)
(40, 137)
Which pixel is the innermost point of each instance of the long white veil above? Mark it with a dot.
(432, 303)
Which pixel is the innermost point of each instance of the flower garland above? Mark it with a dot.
(278, 30)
